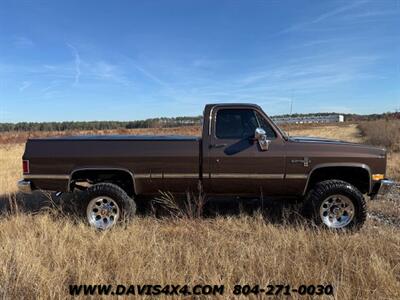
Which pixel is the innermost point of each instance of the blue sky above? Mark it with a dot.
(127, 60)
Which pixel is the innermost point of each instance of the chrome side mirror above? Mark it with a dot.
(261, 136)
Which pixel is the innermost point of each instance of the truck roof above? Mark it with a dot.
(233, 104)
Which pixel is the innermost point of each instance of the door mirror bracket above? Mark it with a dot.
(261, 136)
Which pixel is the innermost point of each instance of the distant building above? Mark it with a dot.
(309, 119)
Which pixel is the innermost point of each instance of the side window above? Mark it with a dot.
(235, 123)
(266, 126)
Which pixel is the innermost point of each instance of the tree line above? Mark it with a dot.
(100, 125)
(156, 122)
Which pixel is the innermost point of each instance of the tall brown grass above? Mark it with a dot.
(385, 133)
(345, 132)
(382, 133)
(41, 255)
(191, 206)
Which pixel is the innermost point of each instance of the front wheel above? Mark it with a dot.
(106, 204)
(336, 204)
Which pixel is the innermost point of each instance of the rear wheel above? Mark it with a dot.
(106, 204)
(336, 204)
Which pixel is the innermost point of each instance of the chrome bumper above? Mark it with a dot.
(385, 186)
(24, 186)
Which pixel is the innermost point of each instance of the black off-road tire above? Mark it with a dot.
(325, 189)
(127, 206)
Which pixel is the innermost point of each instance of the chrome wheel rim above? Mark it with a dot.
(102, 212)
(337, 211)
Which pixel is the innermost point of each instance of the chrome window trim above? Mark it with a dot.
(213, 116)
(210, 120)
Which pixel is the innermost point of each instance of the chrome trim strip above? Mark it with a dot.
(244, 175)
(142, 176)
(166, 175)
(47, 176)
(215, 175)
(296, 176)
(182, 175)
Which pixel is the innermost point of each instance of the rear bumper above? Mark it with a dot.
(24, 186)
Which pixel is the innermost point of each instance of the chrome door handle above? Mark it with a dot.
(218, 145)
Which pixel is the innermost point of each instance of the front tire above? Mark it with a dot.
(106, 204)
(336, 205)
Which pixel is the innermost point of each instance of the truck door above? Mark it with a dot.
(237, 164)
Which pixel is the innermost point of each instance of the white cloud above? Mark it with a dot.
(337, 11)
(77, 64)
(25, 85)
(107, 71)
(150, 75)
(322, 17)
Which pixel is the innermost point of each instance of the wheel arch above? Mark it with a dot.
(326, 171)
(99, 170)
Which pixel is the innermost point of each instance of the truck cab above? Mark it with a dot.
(235, 160)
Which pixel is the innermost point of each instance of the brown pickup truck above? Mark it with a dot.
(241, 153)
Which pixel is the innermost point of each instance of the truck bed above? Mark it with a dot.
(149, 158)
(119, 138)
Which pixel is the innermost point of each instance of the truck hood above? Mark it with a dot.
(306, 139)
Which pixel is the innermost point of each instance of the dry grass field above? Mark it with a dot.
(385, 133)
(382, 132)
(42, 252)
